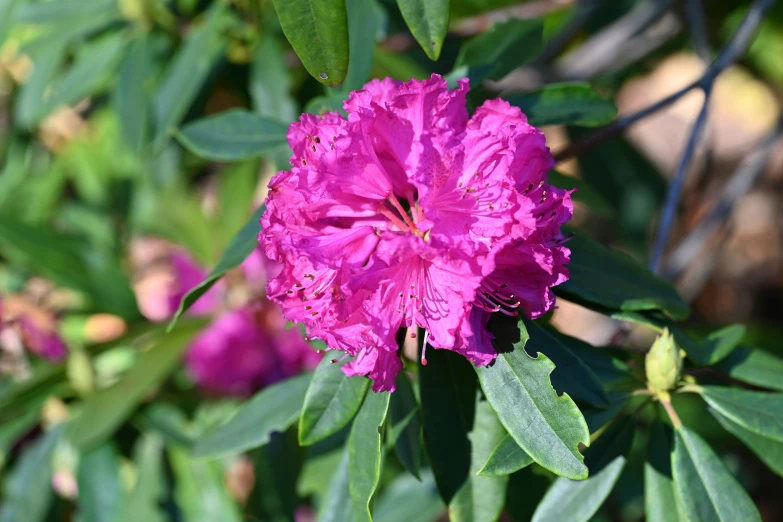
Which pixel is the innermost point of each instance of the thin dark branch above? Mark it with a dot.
(698, 28)
(741, 181)
(678, 182)
(573, 27)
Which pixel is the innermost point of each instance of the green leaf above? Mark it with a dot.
(9, 8)
(320, 464)
(361, 39)
(405, 425)
(144, 501)
(187, 72)
(448, 402)
(660, 499)
(100, 491)
(242, 244)
(318, 32)
(505, 459)
(270, 82)
(70, 263)
(45, 12)
(131, 96)
(585, 193)
(596, 418)
(571, 375)
(770, 451)
(277, 465)
(481, 499)
(200, 491)
(578, 501)
(365, 452)
(273, 409)
(331, 401)
(759, 412)
(232, 135)
(15, 428)
(410, 500)
(754, 366)
(613, 280)
(705, 487)
(568, 103)
(428, 20)
(503, 47)
(336, 506)
(237, 191)
(28, 489)
(546, 426)
(720, 343)
(105, 411)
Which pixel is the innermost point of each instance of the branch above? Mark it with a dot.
(699, 37)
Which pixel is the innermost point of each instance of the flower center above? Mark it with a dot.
(404, 219)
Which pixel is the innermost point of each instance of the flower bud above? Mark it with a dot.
(663, 363)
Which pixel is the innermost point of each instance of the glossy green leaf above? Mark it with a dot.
(318, 32)
(770, 451)
(448, 402)
(503, 47)
(481, 499)
(273, 409)
(13, 429)
(199, 489)
(131, 96)
(428, 20)
(585, 193)
(186, 73)
(320, 464)
(277, 465)
(270, 82)
(526, 488)
(28, 489)
(336, 505)
(596, 418)
(28, 104)
(570, 103)
(759, 412)
(70, 263)
(145, 500)
(105, 411)
(236, 193)
(613, 280)
(405, 425)
(754, 366)
(660, 498)
(331, 401)
(571, 374)
(546, 426)
(505, 459)
(100, 491)
(232, 135)
(705, 487)
(364, 453)
(578, 501)
(241, 245)
(362, 29)
(410, 500)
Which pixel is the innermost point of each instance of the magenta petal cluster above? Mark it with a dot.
(411, 213)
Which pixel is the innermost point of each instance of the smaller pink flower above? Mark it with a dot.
(34, 326)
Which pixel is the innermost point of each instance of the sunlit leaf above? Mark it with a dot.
(428, 20)
(365, 450)
(572, 103)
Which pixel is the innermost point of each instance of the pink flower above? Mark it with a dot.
(410, 213)
(21, 322)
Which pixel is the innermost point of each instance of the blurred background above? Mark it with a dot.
(107, 221)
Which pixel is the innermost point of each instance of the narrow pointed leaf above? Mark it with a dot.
(406, 425)
(660, 499)
(100, 491)
(578, 501)
(232, 135)
(199, 489)
(241, 245)
(770, 451)
(506, 458)
(410, 500)
(613, 280)
(105, 411)
(569, 103)
(318, 32)
(336, 505)
(270, 82)
(448, 404)
(546, 426)
(571, 374)
(428, 20)
(144, 502)
(759, 412)
(754, 366)
(273, 409)
(130, 97)
(362, 27)
(365, 452)
(504, 47)
(705, 487)
(331, 401)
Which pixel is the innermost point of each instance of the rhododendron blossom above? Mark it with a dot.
(410, 213)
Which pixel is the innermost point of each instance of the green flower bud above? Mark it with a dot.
(663, 363)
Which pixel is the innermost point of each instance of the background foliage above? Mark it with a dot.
(130, 119)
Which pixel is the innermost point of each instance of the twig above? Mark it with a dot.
(740, 183)
(698, 27)
(582, 14)
(672, 413)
